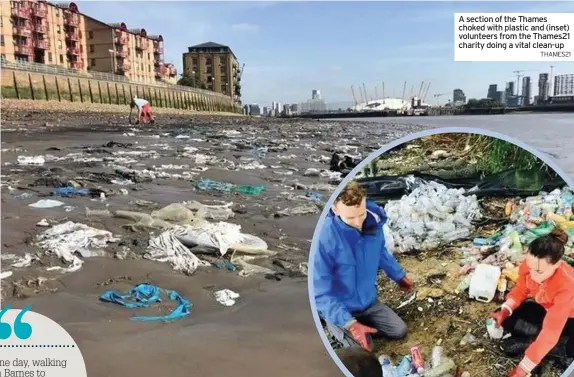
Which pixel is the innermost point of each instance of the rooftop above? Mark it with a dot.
(210, 45)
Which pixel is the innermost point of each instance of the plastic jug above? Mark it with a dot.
(484, 282)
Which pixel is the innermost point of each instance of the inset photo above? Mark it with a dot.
(448, 255)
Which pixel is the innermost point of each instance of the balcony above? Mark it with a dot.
(73, 51)
(142, 44)
(22, 30)
(72, 19)
(20, 12)
(121, 39)
(77, 65)
(121, 54)
(40, 10)
(123, 67)
(42, 44)
(73, 35)
(157, 62)
(41, 28)
(22, 50)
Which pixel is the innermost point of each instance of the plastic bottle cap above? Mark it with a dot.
(420, 370)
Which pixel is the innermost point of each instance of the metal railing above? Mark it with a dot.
(55, 70)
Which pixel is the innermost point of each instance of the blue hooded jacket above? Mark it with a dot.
(346, 265)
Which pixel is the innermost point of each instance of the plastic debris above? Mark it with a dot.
(71, 191)
(143, 295)
(226, 297)
(431, 216)
(31, 160)
(167, 248)
(70, 238)
(493, 331)
(46, 203)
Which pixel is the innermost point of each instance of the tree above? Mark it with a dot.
(474, 103)
(194, 82)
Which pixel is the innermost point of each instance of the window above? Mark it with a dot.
(57, 12)
(148, 56)
(1, 40)
(50, 57)
(90, 34)
(59, 44)
(58, 29)
(93, 62)
(149, 68)
(209, 70)
(3, 56)
(194, 61)
(208, 61)
(61, 59)
(92, 48)
(222, 69)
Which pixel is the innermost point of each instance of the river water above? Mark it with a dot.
(550, 133)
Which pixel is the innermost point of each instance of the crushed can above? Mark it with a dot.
(436, 356)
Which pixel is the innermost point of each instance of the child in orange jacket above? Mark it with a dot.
(541, 305)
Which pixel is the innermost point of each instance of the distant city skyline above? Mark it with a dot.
(291, 48)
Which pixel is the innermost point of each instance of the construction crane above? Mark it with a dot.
(426, 92)
(376, 93)
(437, 96)
(412, 92)
(354, 97)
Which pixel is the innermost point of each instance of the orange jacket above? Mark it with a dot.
(556, 295)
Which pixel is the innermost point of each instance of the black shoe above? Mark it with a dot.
(515, 346)
(524, 328)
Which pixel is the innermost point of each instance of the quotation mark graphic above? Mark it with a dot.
(22, 330)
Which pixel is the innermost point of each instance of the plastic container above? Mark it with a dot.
(484, 282)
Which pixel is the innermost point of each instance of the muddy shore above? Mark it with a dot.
(271, 320)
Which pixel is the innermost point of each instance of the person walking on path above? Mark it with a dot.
(350, 252)
(539, 311)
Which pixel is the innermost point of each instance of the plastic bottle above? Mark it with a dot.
(418, 360)
(387, 368)
(501, 287)
(405, 367)
(443, 368)
(436, 356)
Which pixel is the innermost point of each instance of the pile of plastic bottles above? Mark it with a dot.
(530, 218)
(414, 365)
(431, 216)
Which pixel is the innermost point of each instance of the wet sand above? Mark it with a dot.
(269, 331)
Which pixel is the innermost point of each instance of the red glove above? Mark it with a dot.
(517, 372)
(500, 316)
(360, 332)
(406, 284)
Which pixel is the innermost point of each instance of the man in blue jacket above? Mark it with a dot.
(350, 251)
